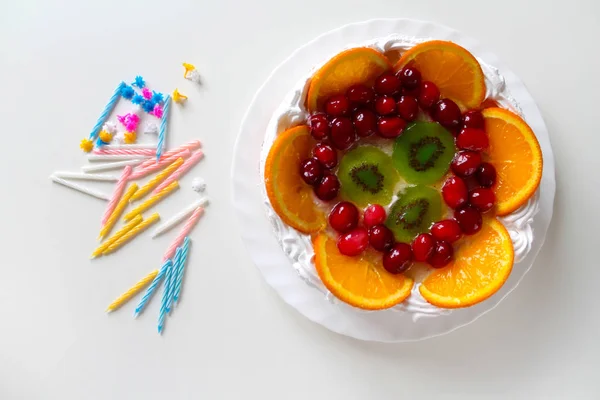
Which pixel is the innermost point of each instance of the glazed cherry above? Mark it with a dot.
(486, 174)
(365, 122)
(454, 192)
(374, 215)
(390, 127)
(326, 155)
(472, 139)
(465, 163)
(428, 95)
(381, 238)
(338, 105)
(385, 105)
(410, 77)
(319, 126)
(442, 254)
(354, 242)
(407, 107)
(482, 199)
(473, 119)
(387, 83)
(447, 230)
(422, 247)
(398, 258)
(447, 113)
(311, 171)
(328, 188)
(343, 217)
(360, 94)
(342, 133)
(469, 219)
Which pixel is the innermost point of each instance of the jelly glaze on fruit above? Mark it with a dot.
(298, 246)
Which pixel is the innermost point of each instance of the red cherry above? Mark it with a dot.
(385, 105)
(422, 247)
(311, 171)
(398, 258)
(360, 94)
(410, 77)
(454, 192)
(326, 155)
(447, 113)
(447, 230)
(442, 254)
(354, 242)
(374, 215)
(338, 105)
(407, 107)
(328, 188)
(469, 219)
(473, 119)
(482, 198)
(486, 175)
(342, 133)
(390, 127)
(465, 163)
(429, 95)
(343, 217)
(319, 126)
(472, 139)
(387, 83)
(365, 122)
(381, 238)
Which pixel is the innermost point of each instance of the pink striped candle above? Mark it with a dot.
(185, 167)
(164, 162)
(185, 231)
(125, 152)
(118, 192)
(191, 146)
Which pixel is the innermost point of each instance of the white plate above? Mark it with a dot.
(382, 326)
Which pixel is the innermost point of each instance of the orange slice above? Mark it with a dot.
(452, 68)
(516, 154)
(359, 281)
(482, 263)
(358, 65)
(290, 196)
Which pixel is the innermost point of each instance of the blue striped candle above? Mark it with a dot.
(176, 262)
(167, 293)
(107, 110)
(180, 269)
(162, 133)
(152, 287)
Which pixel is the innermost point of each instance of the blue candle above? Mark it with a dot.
(107, 110)
(152, 287)
(180, 269)
(162, 133)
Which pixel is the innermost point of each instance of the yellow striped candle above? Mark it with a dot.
(139, 228)
(129, 226)
(144, 190)
(151, 201)
(122, 299)
(118, 210)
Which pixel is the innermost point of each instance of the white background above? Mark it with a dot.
(232, 337)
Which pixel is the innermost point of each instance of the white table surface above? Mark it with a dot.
(232, 337)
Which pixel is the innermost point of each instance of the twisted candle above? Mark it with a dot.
(191, 146)
(174, 268)
(107, 110)
(115, 157)
(165, 298)
(180, 269)
(126, 228)
(79, 188)
(152, 288)
(118, 192)
(142, 171)
(156, 180)
(136, 146)
(86, 177)
(189, 163)
(175, 219)
(112, 165)
(136, 230)
(185, 231)
(151, 201)
(122, 299)
(110, 222)
(124, 152)
(162, 133)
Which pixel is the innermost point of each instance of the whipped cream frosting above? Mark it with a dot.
(297, 246)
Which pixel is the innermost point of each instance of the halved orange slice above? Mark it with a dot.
(516, 154)
(350, 67)
(454, 70)
(481, 265)
(290, 196)
(359, 281)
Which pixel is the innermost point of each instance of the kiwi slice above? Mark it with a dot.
(367, 175)
(422, 154)
(415, 210)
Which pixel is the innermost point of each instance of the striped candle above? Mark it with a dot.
(176, 265)
(180, 269)
(165, 298)
(117, 193)
(144, 170)
(124, 152)
(187, 165)
(107, 110)
(162, 133)
(185, 231)
(152, 288)
(191, 146)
